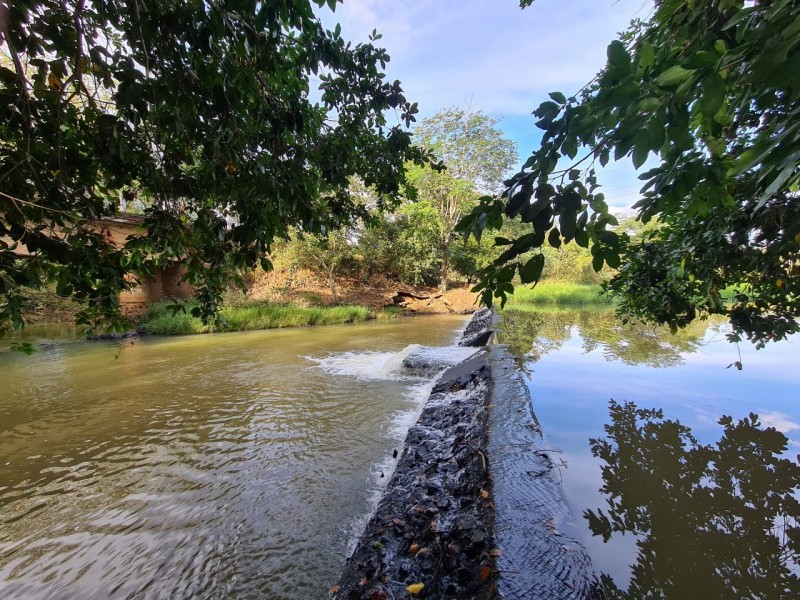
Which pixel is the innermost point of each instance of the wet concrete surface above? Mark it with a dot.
(540, 558)
(433, 524)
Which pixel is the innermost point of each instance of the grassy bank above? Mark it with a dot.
(159, 319)
(555, 293)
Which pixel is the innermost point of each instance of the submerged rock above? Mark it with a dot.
(426, 361)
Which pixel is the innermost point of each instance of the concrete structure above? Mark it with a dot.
(163, 285)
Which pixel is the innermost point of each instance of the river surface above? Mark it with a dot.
(237, 465)
(670, 504)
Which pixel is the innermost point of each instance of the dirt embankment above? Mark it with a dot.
(300, 286)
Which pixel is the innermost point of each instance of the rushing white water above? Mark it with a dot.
(415, 362)
(412, 362)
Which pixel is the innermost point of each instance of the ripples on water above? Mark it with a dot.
(216, 466)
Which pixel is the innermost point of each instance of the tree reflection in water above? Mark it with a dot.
(717, 521)
(532, 334)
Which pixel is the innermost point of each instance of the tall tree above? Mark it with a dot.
(476, 156)
(710, 91)
(205, 112)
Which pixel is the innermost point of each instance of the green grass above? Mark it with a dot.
(159, 319)
(555, 293)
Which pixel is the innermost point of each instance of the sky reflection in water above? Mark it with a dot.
(691, 532)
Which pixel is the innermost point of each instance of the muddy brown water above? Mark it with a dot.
(232, 465)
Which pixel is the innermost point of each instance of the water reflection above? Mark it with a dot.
(711, 521)
(531, 335)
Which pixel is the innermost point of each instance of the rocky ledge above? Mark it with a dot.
(472, 510)
(431, 533)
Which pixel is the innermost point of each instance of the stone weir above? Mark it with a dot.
(474, 508)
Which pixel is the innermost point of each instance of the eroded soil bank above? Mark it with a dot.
(473, 510)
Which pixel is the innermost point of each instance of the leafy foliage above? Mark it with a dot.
(476, 157)
(715, 521)
(709, 90)
(204, 114)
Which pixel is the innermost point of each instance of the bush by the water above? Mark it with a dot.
(160, 319)
(557, 293)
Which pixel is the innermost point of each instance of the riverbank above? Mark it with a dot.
(161, 320)
(304, 306)
(557, 293)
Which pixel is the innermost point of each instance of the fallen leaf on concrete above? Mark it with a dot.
(415, 588)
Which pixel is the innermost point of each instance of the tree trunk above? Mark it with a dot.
(443, 284)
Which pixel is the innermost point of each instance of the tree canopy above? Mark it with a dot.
(203, 114)
(707, 91)
(476, 156)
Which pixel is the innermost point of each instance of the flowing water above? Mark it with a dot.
(716, 522)
(231, 465)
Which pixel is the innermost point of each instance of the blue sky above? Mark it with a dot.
(494, 56)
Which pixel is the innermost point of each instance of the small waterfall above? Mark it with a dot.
(414, 362)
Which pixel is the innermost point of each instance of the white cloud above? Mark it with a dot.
(506, 59)
(779, 421)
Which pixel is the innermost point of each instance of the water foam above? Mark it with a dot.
(366, 365)
(373, 365)
(419, 365)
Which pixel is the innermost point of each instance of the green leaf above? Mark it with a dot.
(554, 238)
(776, 183)
(791, 29)
(641, 150)
(714, 90)
(568, 223)
(532, 270)
(673, 76)
(558, 97)
(597, 261)
(618, 57)
(647, 55)
(547, 110)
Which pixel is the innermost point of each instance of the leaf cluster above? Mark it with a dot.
(202, 114)
(707, 91)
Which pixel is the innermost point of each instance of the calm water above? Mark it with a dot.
(234, 465)
(700, 520)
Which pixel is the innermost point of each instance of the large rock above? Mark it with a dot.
(478, 331)
(427, 361)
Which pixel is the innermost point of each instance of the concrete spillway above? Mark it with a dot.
(473, 509)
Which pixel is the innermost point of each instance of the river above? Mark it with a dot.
(244, 465)
(235, 465)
